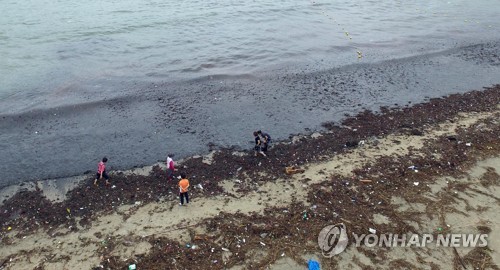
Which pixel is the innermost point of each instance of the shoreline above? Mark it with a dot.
(189, 118)
(57, 188)
(241, 189)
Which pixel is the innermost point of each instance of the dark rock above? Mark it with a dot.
(351, 143)
(416, 132)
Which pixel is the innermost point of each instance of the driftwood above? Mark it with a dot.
(293, 170)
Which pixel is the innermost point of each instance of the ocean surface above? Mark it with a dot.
(62, 52)
(135, 80)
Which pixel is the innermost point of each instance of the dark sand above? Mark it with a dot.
(190, 117)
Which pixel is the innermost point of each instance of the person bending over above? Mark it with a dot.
(266, 140)
(101, 171)
(258, 144)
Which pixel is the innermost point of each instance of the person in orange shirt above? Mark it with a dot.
(183, 189)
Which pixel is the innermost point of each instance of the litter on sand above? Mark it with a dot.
(293, 170)
(313, 265)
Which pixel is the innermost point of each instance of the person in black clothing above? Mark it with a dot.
(266, 140)
(258, 144)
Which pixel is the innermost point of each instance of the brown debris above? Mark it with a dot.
(293, 170)
(292, 230)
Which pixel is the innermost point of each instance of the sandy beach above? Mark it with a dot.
(384, 119)
(430, 168)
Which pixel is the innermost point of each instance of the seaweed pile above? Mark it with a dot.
(233, 239)
(258, 240)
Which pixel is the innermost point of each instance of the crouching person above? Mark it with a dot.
(101, 172)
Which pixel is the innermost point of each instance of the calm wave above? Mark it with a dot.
(54, 52)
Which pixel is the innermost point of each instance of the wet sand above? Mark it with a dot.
(194, 117)
(453, 142)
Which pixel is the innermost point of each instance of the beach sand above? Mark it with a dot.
(246, 213)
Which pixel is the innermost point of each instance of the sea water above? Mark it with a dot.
(61, 52)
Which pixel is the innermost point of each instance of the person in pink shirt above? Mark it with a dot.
(170, 166)
(101, 171)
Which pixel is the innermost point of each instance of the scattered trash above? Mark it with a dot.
(451, 138)
(263, 235)
(293, 170)
(313, 265)
(131, 267)
(232, 229)
(468, 144)
(365, 180)
(372, 230)
(138, 203)
(304, 217)
(416, 183)
(225, 249)
(263, 244)
(188, 245)
(200, 186)
(113, 186)
(413, 167)
(68, 210)
(200, 237)
(9, 228)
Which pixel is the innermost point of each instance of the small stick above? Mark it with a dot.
(345, 220)
(4, 261)
(459, 258)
